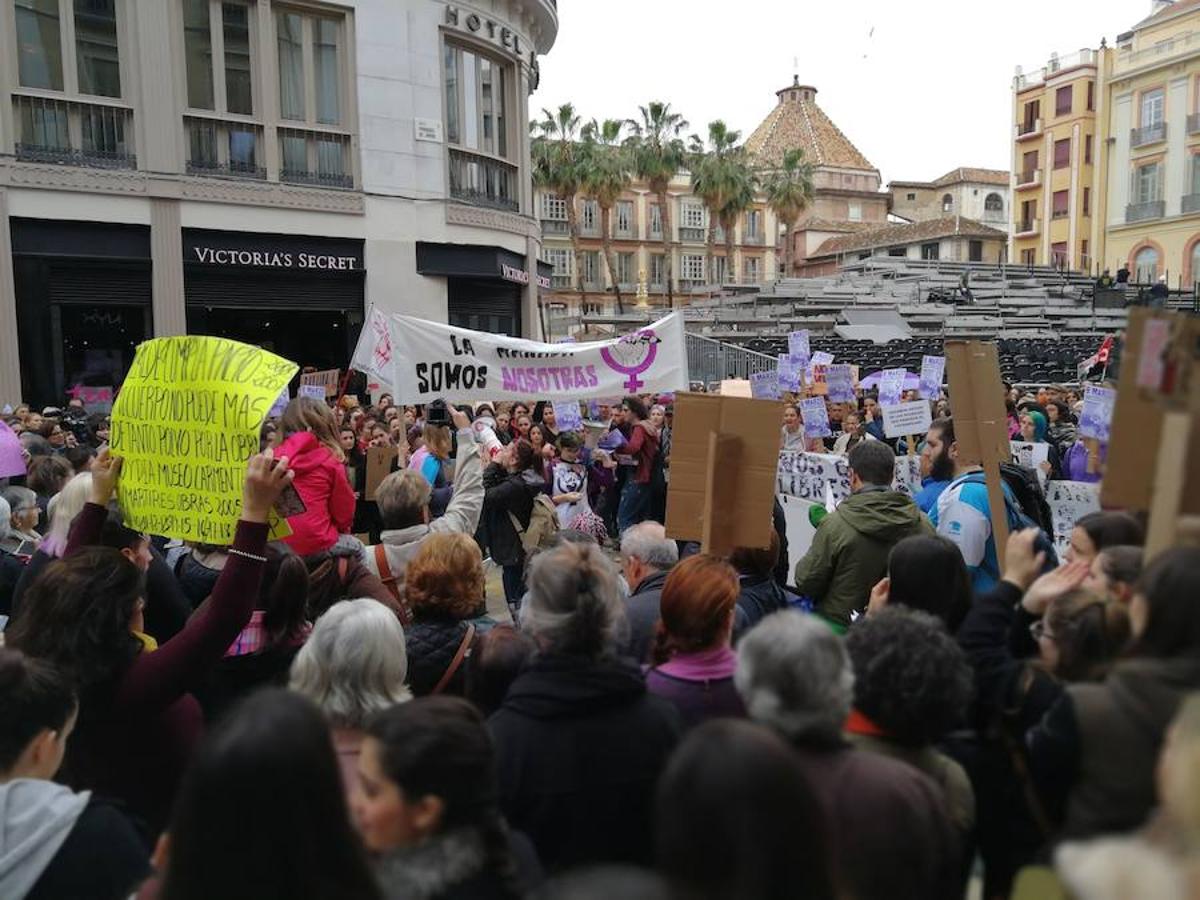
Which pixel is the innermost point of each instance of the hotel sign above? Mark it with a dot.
(501, 35)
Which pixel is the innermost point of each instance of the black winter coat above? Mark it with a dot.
(431, 643)
(580, 745)
(102, 857)
(760, 596)
(504, 494)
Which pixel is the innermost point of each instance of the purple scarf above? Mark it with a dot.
(703, 665)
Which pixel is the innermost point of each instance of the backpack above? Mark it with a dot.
(543, 525)
(1015, 508)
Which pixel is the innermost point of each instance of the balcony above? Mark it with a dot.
(1128, 59)
(1029, 179)
(1193, 123)
(483, 181)
(317, 179)
(73, 134)
(223, 149)
(1141, 212)
(561, 282)
(1148, 134)
(555, 226)
(624, 234)
(755, 240)
(1027, 131)
(1060, 214)
(1055, 64)
(1189, 203)
(1028, 228)
(692, 235)
(213, 168)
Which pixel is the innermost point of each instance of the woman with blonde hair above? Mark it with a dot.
(444, 586)
(315, 454)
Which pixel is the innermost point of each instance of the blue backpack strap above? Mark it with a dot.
(1012, 509)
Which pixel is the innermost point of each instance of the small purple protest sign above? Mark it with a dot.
(1096, 420)
(840, 381)
(566, 415)
(12, 461)
(933, 368)
(891, 386)
(798, 349)
(821, 358)
(789, 374)
(816, 417)
(764, 385)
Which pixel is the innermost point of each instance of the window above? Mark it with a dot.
(1061, 204)
(1062, 153)
(591, 267)
(1147, 183)
(625, 273)
(560, 259)
(693, 216)
(624, 224)
(656, 230)
(1033, 111)
(476, 101)
(1062, 101)
(589, 217)
(975, 251)
(754, 228)
(1028, 215)
(1087, 201)
(309, 76)
(197, 51)
(718, 263)
(1087, 148)
(930, 251)
(911, 196)
(855, 212)
(1195, 262)
(947, 204)
(1145, 265)
(993, 204)
(1058, 254)
(1196, 173)
(752, 269)
(200, 47)
(1152, 108)
(1085, 261)
(692, 267)
(40, 51)
(235, 21)
(658, 269)
(554, 208)
(315, 158)
(1091, 96)
(897, 251)
(1028, 257)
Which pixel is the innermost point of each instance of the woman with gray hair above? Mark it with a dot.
(892, 836)
(353, 665)
(62, 510)
(11, 566)
(22, 518)
(579, 742)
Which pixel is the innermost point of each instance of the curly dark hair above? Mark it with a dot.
(910, 676)
(76, 616)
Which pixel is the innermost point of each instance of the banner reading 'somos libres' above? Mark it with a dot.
(424, 360)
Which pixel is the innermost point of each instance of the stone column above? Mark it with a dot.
(10, 355)
(166, 255)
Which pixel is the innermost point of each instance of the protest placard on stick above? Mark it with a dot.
(327, 379)
(906, 419)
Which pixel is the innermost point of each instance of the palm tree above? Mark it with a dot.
(658, 154)
(607, 174)
(558, 167)
(711, 180)
(789, 192)
(741, 188)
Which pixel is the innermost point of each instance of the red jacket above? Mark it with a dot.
(321, 482)
(642, 446)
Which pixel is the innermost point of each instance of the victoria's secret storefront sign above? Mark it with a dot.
(230, 250)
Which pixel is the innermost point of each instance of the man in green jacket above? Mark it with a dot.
(850, 550)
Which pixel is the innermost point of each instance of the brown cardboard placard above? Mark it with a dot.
(379, 466)
(720, 495)
(328, 378)
(981, 422)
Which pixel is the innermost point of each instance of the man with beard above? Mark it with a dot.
(937, 471)
(962, 512)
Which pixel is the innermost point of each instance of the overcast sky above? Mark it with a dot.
(919, 86)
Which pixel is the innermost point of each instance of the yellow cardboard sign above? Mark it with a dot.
(185, 422)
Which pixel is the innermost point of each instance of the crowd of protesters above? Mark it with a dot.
(892, 713)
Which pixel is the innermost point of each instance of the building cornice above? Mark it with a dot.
(493, 220)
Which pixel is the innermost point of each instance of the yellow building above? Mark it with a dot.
(1054, 146)
(1148, 217)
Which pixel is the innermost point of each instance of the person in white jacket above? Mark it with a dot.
(403, 500)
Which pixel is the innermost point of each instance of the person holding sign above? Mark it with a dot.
(83, 615)
(641, 443)
(792, 433)
(311, 444)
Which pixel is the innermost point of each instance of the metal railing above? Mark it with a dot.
(1127, 59)
(691, 234)
(1140, 212)
(710, 360)
(1193, 123)
(1190, 203)
(555, 226)
(1030, 178)
(73, 134)
(755, 239)
(1028, 226)
(483, 181)
(316, 179)
(1147, 134)
(1029, 129)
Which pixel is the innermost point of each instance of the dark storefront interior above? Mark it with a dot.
(478, 295)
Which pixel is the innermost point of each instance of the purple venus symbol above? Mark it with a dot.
(647, 337)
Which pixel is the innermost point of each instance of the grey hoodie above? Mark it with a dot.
(35, 819)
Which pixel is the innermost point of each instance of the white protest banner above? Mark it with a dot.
(1096, 419)
(764, 385)
(810, 476)
(798, 349)
(315, 391)
(433, 359)
(933, 369)
(891, 386)
(373, 353)
(789, 374)
(566, 416)
(903, 419)
(840, 382)
(1068, 501)
(816, 417)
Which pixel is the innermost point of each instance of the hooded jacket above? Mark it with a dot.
(321, 482)
(56, 843)
(850, 549)
(580, 745)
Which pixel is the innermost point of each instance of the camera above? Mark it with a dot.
(438, 413)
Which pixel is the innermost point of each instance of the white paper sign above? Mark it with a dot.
(1096, 419)
(903, 419)
(815, 417)
(891, 386)
(316, 391)
(816, 476)
(932, 370)
(433, 359)
(1068, 501)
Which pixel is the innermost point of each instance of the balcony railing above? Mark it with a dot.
(754, 239)
(483, 181)
(73, 134)
(1027, 130)
(1147, 134)
(1029, 178)
(691, 234)
(1140, 212)
(1055, 64)
(1027, 227)
(555, 226)
(1060, 213)
(1193, 123)
(317, 179)
(624, 234)
(1190, 203)
(561, 282)
(226, 169)
(1128, 58)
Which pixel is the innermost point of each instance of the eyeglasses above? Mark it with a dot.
(1038, 631)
